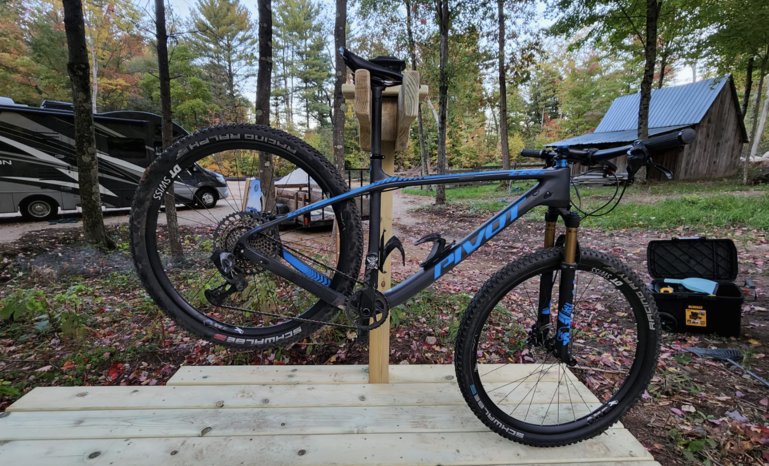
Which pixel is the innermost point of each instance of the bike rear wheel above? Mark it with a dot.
(189, 286)
(511, 378)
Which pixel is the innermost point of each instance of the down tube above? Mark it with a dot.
(468, 245)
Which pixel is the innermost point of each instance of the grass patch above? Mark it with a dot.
(694, 211)
(695, 204)
(476, 191)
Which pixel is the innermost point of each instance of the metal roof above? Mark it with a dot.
(670, 108)
(612, 137)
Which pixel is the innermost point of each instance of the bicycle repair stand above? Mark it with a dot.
(400, 105)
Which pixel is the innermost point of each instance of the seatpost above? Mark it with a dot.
(375, 174)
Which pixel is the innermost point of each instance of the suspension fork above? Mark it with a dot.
(566, 290)
(543, 325)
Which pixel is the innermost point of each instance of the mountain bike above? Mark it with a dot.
(553, 349)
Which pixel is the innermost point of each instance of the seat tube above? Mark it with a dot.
(375, 199)
(546, 280)
(566, 289)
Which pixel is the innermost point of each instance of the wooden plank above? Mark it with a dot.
(362, 107)
(616, 447)
(408, 107)
(236, 422)
(276, 396)
(356, 374)
(235, 396)
(41, 425)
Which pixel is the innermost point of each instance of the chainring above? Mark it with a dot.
(232, 227)
(367, 308)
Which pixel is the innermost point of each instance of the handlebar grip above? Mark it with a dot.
(670, 140)
(533, 153)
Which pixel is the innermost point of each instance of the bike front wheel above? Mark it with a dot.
(508, 372)
(268, 174)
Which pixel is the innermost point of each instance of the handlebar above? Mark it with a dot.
(592, 156)
(538, 154)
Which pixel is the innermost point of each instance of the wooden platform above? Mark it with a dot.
(278, 415)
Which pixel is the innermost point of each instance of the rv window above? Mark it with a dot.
(128, 149)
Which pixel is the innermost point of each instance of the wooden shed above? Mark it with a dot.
(710, 106)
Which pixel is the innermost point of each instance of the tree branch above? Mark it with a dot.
(632, 24)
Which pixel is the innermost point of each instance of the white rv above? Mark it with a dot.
(38, 170)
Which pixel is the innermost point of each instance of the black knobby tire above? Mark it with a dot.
(179, 285)
(615, 330)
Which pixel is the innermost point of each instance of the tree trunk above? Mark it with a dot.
(748, 87)
(85, 141)
(663, 64)
(759, 93)
(443, 91)
(167, 129)
(424, 158)
(94, 78)
(340, 40)
(757, 136)
(650, 52)
(504, 147)
(263, 90)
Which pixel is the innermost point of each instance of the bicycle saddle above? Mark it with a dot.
(384, 70)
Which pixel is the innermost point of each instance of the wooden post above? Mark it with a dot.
(400, 105)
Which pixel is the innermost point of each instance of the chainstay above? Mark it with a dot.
(296, 319)
(317, 262)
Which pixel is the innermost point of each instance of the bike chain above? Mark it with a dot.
(303, 319)
(298, 319)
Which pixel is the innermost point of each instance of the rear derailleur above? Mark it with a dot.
(235, 280)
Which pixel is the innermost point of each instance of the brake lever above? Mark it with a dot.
(665, 172)
(609, 168)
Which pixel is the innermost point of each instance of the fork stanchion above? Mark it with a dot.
(400, 105)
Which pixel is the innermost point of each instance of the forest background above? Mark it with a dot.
(564, 62)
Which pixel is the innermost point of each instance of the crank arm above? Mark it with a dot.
(325, 293)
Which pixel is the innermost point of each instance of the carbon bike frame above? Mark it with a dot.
(552, 189)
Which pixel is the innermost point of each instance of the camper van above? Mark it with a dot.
(38, 169)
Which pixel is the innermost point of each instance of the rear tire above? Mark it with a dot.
(259, 315)
(39, 208)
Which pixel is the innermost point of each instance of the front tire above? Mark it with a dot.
(513, 382)
(261, 314)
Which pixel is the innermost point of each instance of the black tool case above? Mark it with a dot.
(687, 311)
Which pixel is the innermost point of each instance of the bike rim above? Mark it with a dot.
(528, 388)
(186, 282)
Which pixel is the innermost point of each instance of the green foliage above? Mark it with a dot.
(7, 389)
(224, 39)
(588, 88)
(302, 67)
(63, 311)
(23, 305)
(191, 99)
(691, 211)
